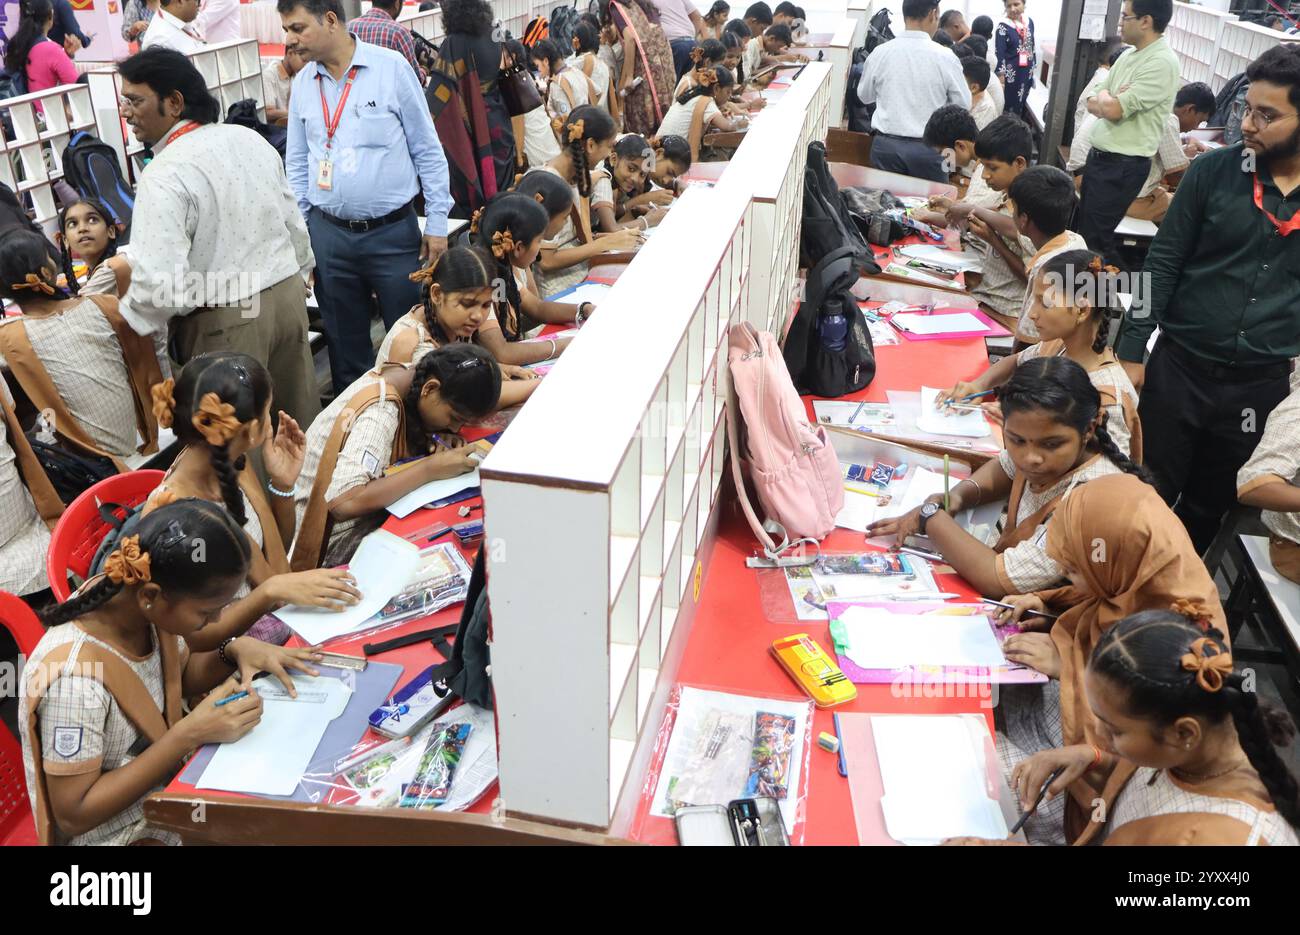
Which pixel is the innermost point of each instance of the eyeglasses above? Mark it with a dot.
(1262, 119)
(130, 102)
(1124, 18)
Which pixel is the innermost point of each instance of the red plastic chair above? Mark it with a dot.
(80, 529)
(16, 823)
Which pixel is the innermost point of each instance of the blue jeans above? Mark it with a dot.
(682, 55)
(350, 267)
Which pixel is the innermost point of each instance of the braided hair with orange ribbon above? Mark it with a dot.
(510, 220)
(1164, 665)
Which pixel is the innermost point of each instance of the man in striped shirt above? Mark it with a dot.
(379, 26)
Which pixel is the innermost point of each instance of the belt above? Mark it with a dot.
(1225, 373)
(361, 226)
(1104, 155)
(894, 136)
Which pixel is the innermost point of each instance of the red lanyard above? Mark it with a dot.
(332, 123)
(190, 127)
(1283, 227)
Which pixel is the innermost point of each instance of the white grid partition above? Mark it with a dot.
(427, 24)
(810, 96)
(232, 71)
(595, 544)
(1239, 45)
(1193, 34)
(42, 122)
(838, 53)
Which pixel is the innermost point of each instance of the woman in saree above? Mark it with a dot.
(647, 79)
(467, 108)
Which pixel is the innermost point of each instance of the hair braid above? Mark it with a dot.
(578, 151)
(228, 477)
(505, 270)
(416, 438)
(1259, 729)
(1100, 342)
(90, 599)
(1106, 445)
(69, 276)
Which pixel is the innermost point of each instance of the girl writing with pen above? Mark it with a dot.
(1056, 439)
(1183, 753)
(1072, 311)
(100, 714)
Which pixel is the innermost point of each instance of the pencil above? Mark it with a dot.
(945, 483)
(843, 763)
(1036, 613)
(1037, 802)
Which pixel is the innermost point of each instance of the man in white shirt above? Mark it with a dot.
(173, 27)
(218, 21)
(908, 79)
(219, 250)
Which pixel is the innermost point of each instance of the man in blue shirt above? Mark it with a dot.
(66, 31)
(361, 145)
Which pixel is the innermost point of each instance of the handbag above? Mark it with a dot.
(519, 90)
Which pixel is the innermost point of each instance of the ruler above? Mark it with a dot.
(279, 694)
(342, 661)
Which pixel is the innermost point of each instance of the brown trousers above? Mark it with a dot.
(271, 327)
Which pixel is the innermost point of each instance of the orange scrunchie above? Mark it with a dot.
(1094, 265)
(1194, 611)
(502, 244)
(161, 497)
(34, 283)
(576, 129)
(215, 420)
(557, 124)
(127, 564)
(706, 77)
(1210, 662)
(164, 403)
(474, 220)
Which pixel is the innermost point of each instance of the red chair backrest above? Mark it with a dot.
(15, 808)
(80, 529)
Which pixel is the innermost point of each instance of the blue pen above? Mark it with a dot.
(229, 698)
(969, 397)
(844, 766)
(857, 412)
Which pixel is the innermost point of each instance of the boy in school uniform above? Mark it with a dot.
(977, 73)
(1004, 149)
(951, 133)
(1044, 202)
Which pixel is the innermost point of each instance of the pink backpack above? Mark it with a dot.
(791, 462)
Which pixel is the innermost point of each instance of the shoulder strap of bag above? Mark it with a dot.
(28, 369)
(47, 501)
(142, 367)
(272, 545)
(119, 680)
(314, 531)
(580, 214)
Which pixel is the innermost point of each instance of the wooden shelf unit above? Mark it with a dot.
(42, 124)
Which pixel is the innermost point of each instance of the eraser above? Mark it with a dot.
(828, 742)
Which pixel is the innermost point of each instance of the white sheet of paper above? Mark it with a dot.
(964, 422)
(928, 253)
(434, 490)
(879, 639)
(923, 483)
(935, 778)
(858, 512)
(587, 292)
(383, 565)
(940, 323)
(272, 757)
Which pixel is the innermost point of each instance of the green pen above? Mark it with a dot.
(945, 483)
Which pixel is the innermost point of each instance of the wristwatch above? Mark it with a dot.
(927, 510)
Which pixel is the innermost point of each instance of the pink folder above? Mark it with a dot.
(994, 330)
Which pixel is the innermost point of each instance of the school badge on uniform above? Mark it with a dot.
(67, 741)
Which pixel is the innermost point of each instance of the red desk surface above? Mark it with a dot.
(730, 639)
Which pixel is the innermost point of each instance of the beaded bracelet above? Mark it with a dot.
(221, 652)
(287, 494)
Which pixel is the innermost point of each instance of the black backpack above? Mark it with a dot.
(465, 673)
(827, 225)
(564, 19)
(69, 472)
(828, 348)
(1235, 90)
(878, 33)
(12, 214)
(877, 214)
(244, 114)
(90, 166)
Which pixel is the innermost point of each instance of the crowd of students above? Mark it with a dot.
(1144, 710)
(1116, 476)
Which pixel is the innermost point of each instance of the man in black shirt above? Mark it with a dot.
(1223, 285)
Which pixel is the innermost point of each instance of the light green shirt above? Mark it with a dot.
(1145, 82)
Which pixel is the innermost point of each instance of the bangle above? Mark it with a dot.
(221, 652)
(278, 492)
(553, 349)
(1096, 757)
(645, 225)
(979, 491)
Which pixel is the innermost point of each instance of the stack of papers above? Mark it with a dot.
(957, 323)
(433, 491)
(879, 639)
(963, 261)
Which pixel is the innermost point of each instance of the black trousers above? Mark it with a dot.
(1110, 183)
(907, 156)
(1200, 424)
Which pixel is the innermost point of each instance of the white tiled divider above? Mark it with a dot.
(231, 70)
(32, 160)
(593, 539)
(1239, 45)
(839, 55)
(1193, 34)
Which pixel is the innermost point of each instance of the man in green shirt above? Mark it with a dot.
(1222, 281)
(1132, 103)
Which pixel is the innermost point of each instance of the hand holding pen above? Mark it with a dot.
(961, 396)
(1049, 773)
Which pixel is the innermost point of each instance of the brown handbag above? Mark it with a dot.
(518, 89)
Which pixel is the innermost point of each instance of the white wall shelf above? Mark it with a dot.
(43, 122)
(1212, 46)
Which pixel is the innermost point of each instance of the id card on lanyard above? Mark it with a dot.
(325, 174)
(1283, 227)
(1023, 32)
